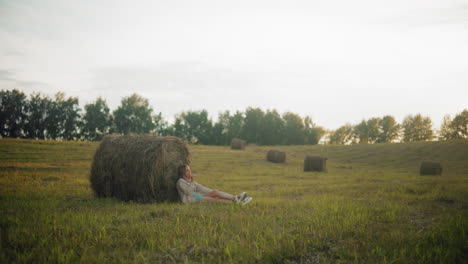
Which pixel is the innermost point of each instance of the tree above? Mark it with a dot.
(417, 128)
(232, 125)
(361, 131)
(63, 120)
(178, 129)
(194, 126)
(272, 132)
(313, 133)
(373, 127)
(456, 128)
(221, 130)
(459, 125)
(218, 134)
(134, 115)
(72, 122)
(39, 117)
(161, 126)
(13, 113)
(389, 129)
(368, 131)
(97, 120)
(38, 111)
(343, 135)
(253, 122)
(446, 131)
(294, 129)
(53, 119)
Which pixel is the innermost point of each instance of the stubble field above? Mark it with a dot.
(371, 206)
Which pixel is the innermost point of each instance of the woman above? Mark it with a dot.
(190, 191)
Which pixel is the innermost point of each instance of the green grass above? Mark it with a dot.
(371, 206)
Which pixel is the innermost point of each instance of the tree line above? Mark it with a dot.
(60, 118)
(413, 128)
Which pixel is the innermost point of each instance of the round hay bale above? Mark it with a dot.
(315, 163)
(276, 156)
(142, 168)
(430, 168)
(238, 144)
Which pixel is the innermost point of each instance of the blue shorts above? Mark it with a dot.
(198, 196)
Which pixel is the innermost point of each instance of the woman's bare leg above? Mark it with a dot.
(211, 199)
(220, 195)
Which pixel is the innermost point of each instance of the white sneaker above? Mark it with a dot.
(239, 198)
(246, 201)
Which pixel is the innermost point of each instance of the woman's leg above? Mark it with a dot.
(211, 199)
(220, 195)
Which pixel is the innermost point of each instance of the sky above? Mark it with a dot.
(337, 61)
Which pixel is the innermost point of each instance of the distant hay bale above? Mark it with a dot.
(238, 144)
(430, 168)
(315, 163)
(142, 168)
(276, 156)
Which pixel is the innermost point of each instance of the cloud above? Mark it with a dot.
(5, 75)
(175, 77)
(427, 14)
(354, 57)
(9, 81)
(13, 53)
(174, 87)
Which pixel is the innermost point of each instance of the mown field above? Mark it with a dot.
(371, 206)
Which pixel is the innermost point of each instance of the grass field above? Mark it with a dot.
(371, 206)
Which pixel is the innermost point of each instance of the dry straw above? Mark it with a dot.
(142, 168)
(315, 163)
(276, 156)
(238, 144)
(430, 168)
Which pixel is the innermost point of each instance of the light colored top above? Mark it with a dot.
(186, 190)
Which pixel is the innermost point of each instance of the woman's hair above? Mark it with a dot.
(181, 170)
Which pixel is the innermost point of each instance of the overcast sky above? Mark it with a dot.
(338, 61)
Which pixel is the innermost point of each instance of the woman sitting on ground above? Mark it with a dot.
(190, 191)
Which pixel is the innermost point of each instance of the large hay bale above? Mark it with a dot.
(430, 168)
(276, 156)
(238, 144)
(138, 167)
(315, 163)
